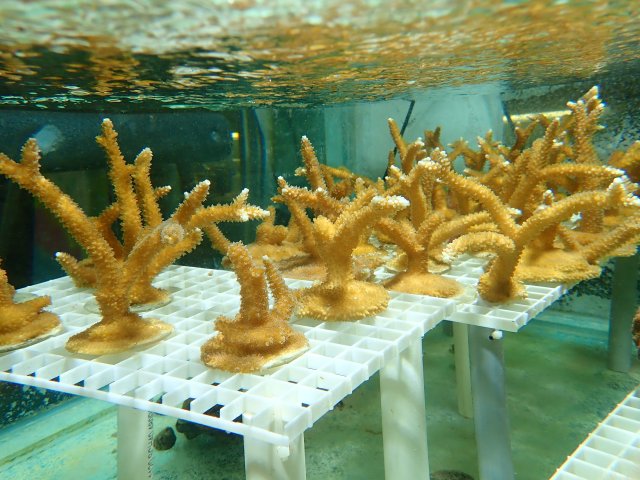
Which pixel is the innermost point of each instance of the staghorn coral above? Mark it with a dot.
(413, 234)
(151, 249)
(338, 182)
(551, 211)
(136, 207)
(527, 251)
(259, 337)
(279, 242)
(23, 322)
(340, 296)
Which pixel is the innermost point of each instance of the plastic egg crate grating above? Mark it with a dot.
(509, 316)
(473, 310)
(168, 377)
(612, 450)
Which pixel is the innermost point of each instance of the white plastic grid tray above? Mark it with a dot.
(473, 310)
(161, 377)
(509, 316)
(612, 450)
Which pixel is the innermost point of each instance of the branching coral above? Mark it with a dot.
(413, 234)
(259, 337)
(339, 296)
(516, 201)
(527, 251)
(23, 322)
(150, 249)
(338, 182)
(137, 209)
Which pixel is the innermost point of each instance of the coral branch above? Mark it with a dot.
(258, 338)
(23, 322)
(340, 296)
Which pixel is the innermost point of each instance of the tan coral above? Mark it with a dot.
(275, 242)
(137, 209)
(628, 160)
(258, 338)
(416, 277)
(121, 329)
(503, 278)
(413, 235)
(339, 296)
(338, 182)
(23, 322)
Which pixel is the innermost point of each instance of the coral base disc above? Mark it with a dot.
(44, 326)
(354, 301)
(215, 354)
(107, 338)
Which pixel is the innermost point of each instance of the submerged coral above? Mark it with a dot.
(339, 295)
(25, 321)
(259, 337)
(148, 249)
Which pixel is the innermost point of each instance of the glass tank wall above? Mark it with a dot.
(225, 91)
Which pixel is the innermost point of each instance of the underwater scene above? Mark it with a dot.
(319, 239)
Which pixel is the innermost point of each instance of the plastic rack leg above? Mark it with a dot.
(135, 437)
(463, 369)
(404, 424)
(491, 417)
(623, 307)
(265, 461)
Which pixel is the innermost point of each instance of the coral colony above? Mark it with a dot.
(542, 210)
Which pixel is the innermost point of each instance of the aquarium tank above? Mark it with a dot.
(286, 239)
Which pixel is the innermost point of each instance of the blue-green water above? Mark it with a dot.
(152, 54)
(224, 90)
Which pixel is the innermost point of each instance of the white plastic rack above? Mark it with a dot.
(509, 316)
(612, 450)
(274, 409)
(271, 411)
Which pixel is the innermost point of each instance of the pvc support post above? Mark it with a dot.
(463, 369)
(135, 443)
(491, 416)
(266, 461)
(404, 424)
(623, 308)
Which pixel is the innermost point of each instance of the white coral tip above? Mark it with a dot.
(449, 254)
(633, 201)
(515, 212)
(614, 171)
(392, 201)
